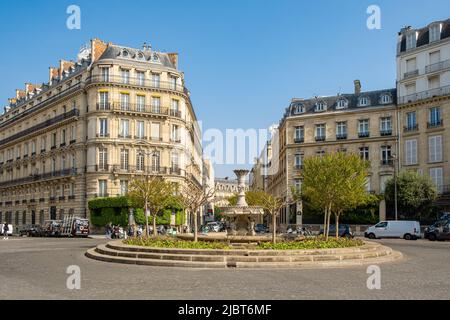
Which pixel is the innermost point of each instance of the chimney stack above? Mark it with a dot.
(357, 87)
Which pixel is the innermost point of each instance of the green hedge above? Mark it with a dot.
(115, 210)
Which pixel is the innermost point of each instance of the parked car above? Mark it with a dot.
(51, 228)
(408, 230)
(214, 226)
(440, 230)
(344, 231)
(261, 228)
(10, 229)
(30, 231)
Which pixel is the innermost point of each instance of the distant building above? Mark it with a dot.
(225, 188)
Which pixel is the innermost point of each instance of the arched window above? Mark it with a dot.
(298, 108)
(342, 104)
(385, 99)
(125, 53)
(363, 102)
(320, 106)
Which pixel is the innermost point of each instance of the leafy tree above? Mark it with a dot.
(252, 197)
(153, 194)
(273, 206)
(415, 194)
(334, 183)
(193, 198)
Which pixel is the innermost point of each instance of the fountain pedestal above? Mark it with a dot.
(242, 216)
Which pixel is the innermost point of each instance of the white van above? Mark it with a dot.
(408, 230)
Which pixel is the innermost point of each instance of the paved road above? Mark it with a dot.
(36, 269)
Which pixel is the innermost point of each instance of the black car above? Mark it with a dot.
(260, 228)
(440, 230)
(344, 231)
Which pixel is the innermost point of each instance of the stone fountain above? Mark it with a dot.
(242, 217)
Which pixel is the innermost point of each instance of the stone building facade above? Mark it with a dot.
(116, 114)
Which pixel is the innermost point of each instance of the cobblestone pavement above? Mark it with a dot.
(35, 268)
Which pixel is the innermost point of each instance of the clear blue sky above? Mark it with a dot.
(247, 57)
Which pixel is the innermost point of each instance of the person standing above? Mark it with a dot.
(5, 231)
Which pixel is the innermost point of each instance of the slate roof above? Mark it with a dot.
(423, 37)
(352, 100)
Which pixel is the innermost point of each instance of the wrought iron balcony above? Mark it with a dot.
(341, 136)
(320, 138)
(411, 74)
(435, 124)
(299, 140)
(386, 132)
(43, 125)
(39, 177)
(438, 92)
(387, 162)
(435, 67)
(411, 128)
(150, 170)
(365, 134)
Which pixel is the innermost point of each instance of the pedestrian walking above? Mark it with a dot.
(5, 231)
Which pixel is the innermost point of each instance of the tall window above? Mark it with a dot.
(123, 187)
(140, 78)
(103, 127)
(173, 83)
(435, 148)
(411, 152)
(298, 184)
(320, 131)
(124, 159)
(124, 128)
(155, 131)
(299, 134)
(103, 158)
(155, 80)
(386, 156)
(411, 121)
(436, 175)
(363, 128)
(298, 160)
(140, 129)
(124, 101)
(125, 76)
(72, 189)
(63, 136)
(104, 101)
(105, 74)
(102, 188)
(140, 164)
(386, 126)
(174, 161)
(73, 133)
(155, 161)
(364, 153)
(174, 107)
(140, 103)
(411, 41)
(435, 116)
(435, 33)
(44, 143)
(175, 136)
(156, 104)
(341, 130)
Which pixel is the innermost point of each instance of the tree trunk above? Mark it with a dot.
(274, 228)
(337, 225)
(325, 222)
(195, 228)
(155, 232)
(146, 219)
(328, 223)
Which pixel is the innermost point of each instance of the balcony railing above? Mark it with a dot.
(388, 162)
(411, 74)
(435, 124)
(43, 125)
(341, 136)
(139, 82)
(411, 128)
(299, 140)
(445, 190)
(438, 92)
(157, 170)
(386, 132)
(364, 134)
(118, 106)
(320, 138)
(39, 177)
(437, 66)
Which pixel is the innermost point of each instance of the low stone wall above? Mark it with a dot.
(118, 252)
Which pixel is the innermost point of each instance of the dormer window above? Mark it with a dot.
(299, 108)
(140, 56)
(435, 32)
(342, 104)
(125, 53)
(320, 106)
(386, 99)
(363, 102)
(411, 41)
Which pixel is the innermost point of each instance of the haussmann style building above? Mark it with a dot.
(115, 114)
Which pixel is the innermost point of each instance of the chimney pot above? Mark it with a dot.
(357, 86)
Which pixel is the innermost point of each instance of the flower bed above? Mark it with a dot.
(315, 243)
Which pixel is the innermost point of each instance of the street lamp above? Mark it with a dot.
(394, 159)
